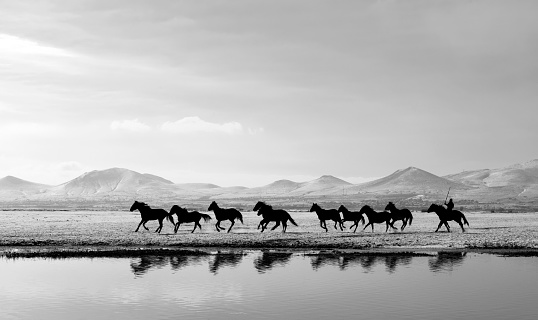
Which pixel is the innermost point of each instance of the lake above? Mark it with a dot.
(272, 285)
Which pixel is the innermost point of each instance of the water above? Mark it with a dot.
(271, 285)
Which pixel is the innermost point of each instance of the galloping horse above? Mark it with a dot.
(330, 214)
(148, 214)
(354, 216)
(376, 217)
(400, 214)
(225, 214)
(270, 214)
(446, 215)
(183, 216)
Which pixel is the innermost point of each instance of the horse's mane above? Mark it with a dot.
(143, 204)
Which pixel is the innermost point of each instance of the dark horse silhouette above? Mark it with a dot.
(400, 214)
(329, 214)
(269, 214)
(148, 214)
(225, 214)
(354, 216)
(376, 217)
(446, 215)
(184, 216)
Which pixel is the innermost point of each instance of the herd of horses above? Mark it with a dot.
(268, 214)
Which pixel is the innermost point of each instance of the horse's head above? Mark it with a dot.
(178, 210)
(137, 205)
(342, 208)
(258, 206)
(433, 208)
(390, 206)
(212, 206)
(314, 207)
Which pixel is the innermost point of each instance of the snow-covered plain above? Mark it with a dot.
(80, 230)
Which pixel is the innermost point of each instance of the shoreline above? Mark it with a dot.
(61, 252)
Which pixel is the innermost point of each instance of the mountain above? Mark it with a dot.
(116, 181)
(516, 182)
(524, 174)
(411, 180)
(15, 188)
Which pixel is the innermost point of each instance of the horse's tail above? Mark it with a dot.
(170, 218)
(410, 217)
(206, 217)
(240, 216)
(292, 221)
(464, 219)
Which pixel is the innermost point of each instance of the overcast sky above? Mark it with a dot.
(248, 92)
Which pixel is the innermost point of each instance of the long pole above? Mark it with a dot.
(447, 194)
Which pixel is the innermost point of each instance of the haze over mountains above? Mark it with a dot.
(517, 183)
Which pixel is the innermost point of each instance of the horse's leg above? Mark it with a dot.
(447, 226)
(217, 225)
(439, 226)
(284, 225)
(356, 226)
(276, 225)
(141, 221)
(176, 228)
(366, 226)
(233, 222)
(195, 225)
(335, 223)
(144, 225)
(199, 225)
(461, 225)
(159, 228)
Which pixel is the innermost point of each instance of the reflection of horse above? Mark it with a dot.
(269, 260)
(225, 259)
(184, 216)
(143, 264)
(225, 214)
(400, 214)
(148, 214)
(376, 217)
(354, 216)
(446, 261)
(330, 214)
(269, 214)
(446, 215)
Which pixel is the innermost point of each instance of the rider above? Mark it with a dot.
(449, 205)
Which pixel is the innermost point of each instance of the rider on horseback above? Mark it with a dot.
(449, 205)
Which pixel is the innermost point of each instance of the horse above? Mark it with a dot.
(448, 215)
(225, 214)
(354, 216)
(330, 214)
(270, 214)
(400, 214)
(184, 216)
(148, 214)
(376, 217)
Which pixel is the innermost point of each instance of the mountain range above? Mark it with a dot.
(515, 183)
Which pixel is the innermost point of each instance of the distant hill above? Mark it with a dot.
(15, 188)
(517, 183)
(115, 181)
(411, 180)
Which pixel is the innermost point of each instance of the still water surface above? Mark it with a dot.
(271, 285)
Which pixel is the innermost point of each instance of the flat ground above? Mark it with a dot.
(66, 231)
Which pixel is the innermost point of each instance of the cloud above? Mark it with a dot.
(195, 124)
(15, 45)
(130, 125)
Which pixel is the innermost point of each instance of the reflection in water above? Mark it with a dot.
(367, 262)
(225, 260)
(268, 260)
(446, 261)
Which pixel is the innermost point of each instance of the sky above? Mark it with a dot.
(249, 92)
